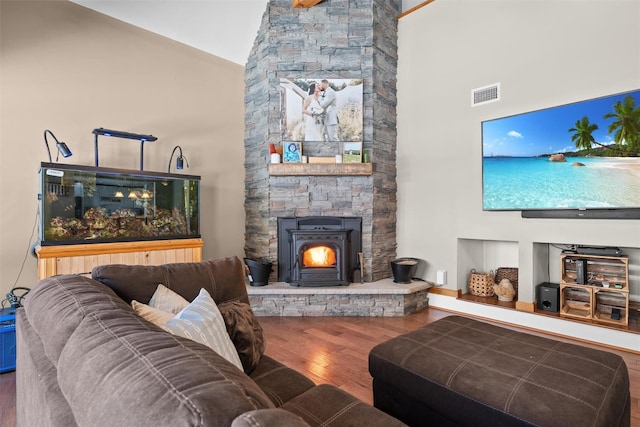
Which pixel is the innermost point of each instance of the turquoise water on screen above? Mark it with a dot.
(536, 183)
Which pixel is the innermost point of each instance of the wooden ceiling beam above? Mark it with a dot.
(305, 3)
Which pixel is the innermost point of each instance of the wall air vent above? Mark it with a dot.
(485, 95)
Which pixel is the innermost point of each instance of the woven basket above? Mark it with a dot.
(510, 273)
(481, 284)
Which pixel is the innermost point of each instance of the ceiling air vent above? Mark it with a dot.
(485, 95)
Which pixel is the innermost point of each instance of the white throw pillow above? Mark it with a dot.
(202, 322)
(167, 300)
(153, 315)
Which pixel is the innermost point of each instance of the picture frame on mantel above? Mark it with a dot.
(352, 152)
(292, 152)
(321, 109)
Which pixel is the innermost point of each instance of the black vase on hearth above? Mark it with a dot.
(259, 271)
(403, 269)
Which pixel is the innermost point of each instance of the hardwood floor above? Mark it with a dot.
(335, 350)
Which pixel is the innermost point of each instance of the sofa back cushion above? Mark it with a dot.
(126, 371)
(57, 305)
(223, 278)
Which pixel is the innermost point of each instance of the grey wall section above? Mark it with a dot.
(544, 54)
(66, 68)
(335, 39)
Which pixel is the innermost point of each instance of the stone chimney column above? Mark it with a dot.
(336, 39)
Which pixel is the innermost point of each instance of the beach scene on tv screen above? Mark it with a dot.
(574, 156)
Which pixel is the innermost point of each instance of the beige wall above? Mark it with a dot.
(70, 70)
(544, 54)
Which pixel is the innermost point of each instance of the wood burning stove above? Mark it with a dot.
(318, 251)
(320, 257)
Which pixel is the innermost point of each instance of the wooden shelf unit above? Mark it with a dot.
(592, 301)
(576, 301)
(607, 299)
(80, 259)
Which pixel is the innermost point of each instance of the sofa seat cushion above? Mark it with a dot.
(126, 371)
(278, 382)
(223, 278)
(326, 406)
(57, 305)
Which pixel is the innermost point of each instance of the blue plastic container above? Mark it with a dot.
(7, 340)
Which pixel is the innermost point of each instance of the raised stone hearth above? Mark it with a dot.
(383, 298)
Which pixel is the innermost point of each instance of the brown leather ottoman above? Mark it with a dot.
(462, 372)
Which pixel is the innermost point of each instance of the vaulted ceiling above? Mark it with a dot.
(225, 28)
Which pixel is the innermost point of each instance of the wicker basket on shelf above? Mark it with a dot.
(510, 273)
(481, 284)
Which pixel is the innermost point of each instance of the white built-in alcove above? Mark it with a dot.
(537, 262)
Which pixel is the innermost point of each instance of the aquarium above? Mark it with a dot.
(84, 204)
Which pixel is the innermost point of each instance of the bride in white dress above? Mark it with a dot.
(314, 115)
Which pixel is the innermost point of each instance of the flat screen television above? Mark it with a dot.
(580, 160)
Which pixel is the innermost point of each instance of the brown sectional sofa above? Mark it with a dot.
(85, 358)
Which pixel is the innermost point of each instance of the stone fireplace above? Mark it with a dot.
(353, 39)
(318, 251)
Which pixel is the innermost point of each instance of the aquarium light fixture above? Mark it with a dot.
(179, 161)
(61, 146)
(125, 135)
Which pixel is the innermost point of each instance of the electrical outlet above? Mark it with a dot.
(441, 277)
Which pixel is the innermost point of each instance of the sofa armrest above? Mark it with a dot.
(269, 417)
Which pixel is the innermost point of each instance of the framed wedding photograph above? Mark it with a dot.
(291, 152)
(321, 109)
(352, 152)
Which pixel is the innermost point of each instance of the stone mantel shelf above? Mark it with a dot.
(320, 169)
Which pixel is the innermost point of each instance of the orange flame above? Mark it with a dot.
(319, 256)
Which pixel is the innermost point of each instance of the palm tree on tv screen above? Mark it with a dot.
(583, 133)
(626, 124)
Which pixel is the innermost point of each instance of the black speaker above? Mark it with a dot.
(548, 296)
(581, 271)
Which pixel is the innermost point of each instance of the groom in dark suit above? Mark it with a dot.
(328, 102)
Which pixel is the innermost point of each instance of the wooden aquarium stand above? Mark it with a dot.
(80, 259)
